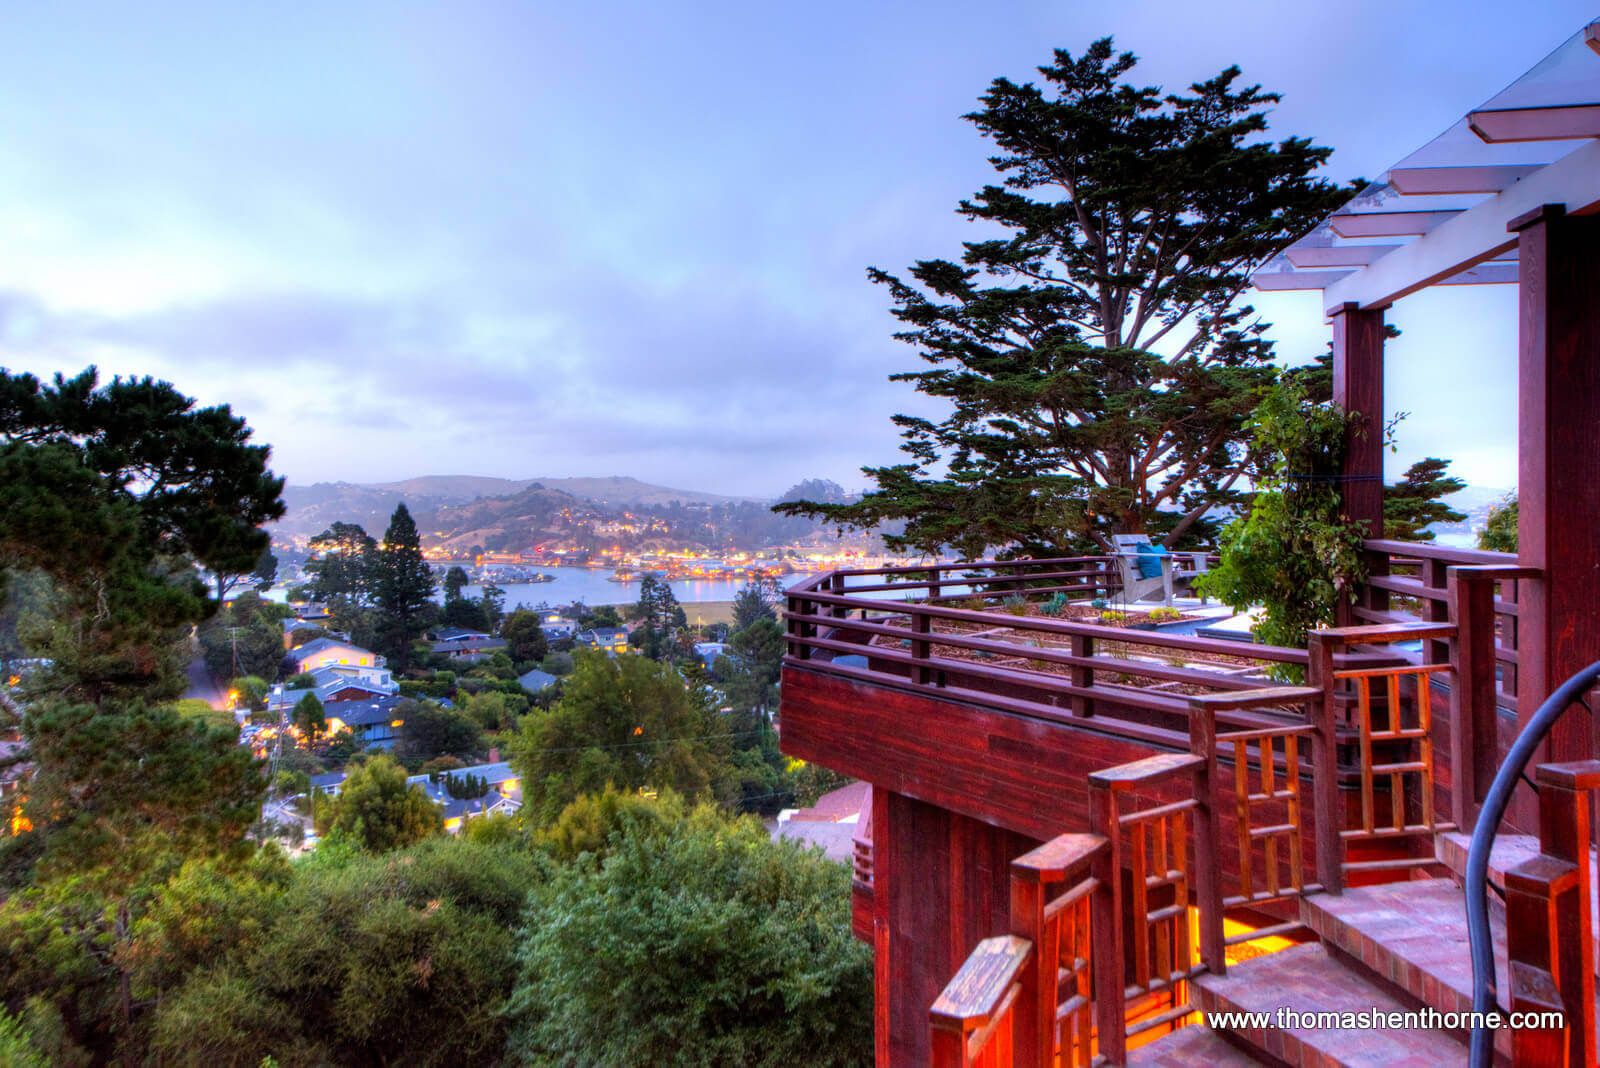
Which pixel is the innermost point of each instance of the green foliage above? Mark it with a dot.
(1295, 554)
(245, 638)
(310, 717)
(16, 1047)
(196, 709)
(1113, 616)
(756, 601)
(399, 959)
(377, 809)
(750, 672)
(660, 617)
(1163, 614)
(1499, 533)
(466, 787)
(706, 945)
(495, 711)
(1016, 604)
(402, 587)
(303, 681)
(1056, 605)
(524, 637)
(623, 721)
(1415, 502)
(1127, 218)
(343, 564)
(455, 580)
(432, 731)
(557, 664)
(587, 824)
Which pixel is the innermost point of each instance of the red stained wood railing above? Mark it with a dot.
(971, 1021)
(1549, 923)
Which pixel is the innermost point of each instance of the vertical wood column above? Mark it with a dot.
(1558, 525)
(1358, 389)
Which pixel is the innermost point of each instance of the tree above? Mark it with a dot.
(310, 717)
(704, 943)
(379, 810)
(263, 574)
(622, 721)
(758, 600)
(1416, 501)
(1135, 221)
(1499, 533)
(750, 674)
(343, 564)
(1295, 555)
(403, 585)
(432, 731)
(660, 616)
(525, 638)
(454, 581)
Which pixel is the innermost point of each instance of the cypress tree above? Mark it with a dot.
(404, 586)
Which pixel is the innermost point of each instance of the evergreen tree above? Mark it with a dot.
(455, 580)
(344, 564)
(310, 717)
(1416, 501)
(403, 590)
(379, 810)
(756, 601)
(1135, 220)
(1499, 533)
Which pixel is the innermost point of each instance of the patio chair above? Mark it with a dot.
(1141, 581)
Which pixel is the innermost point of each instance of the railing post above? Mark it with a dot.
(1549, 928)
(921, 623)
(1207, 876)
(1111, 1020)
(1033, 1030)
(1474, 733)
(1325, 768)
(1082, 645)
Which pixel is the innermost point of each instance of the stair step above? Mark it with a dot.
(1307, 979)
(1189, 1046)
(1413, 934)
(1509, 851)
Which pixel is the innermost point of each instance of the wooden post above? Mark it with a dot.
(1474, 741)
(1549, 928)
(1207, 876)
(1109, 978)
(922, 623)
(1358, 389)
(1034, 1015)
(1558, 461)
(1325, 770)
(1082, 645)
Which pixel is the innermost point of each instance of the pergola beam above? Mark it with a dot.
(1388, 223)
(1562, 123)
(1440, 181)
(1338, 255)
(1476, 235)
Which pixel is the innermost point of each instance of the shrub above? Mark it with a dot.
(1016, 604)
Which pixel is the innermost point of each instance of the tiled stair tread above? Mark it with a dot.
(1307, 979)
(1190, 1046)
(1509, 851)
(1414, 934)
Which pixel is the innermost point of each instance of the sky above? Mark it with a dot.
(525, 239)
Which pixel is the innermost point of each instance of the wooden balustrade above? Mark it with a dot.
(1061, 902)
(971, 1021)
(1549, 923)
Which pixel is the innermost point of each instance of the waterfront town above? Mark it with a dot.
(1177, 643)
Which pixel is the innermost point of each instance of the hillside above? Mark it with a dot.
(311, 509)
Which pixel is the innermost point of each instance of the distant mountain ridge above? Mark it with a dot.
(312, 509)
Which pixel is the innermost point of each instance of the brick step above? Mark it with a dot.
(1509, 851)
(1414, 936)
(1190, 1046)
(1308, 979)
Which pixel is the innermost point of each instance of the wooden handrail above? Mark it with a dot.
(975, 1006)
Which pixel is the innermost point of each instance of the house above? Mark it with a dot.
(326, 652)
(709, 651)
(504, 796)
(469, 650)
(536, 680)
(1074, 853)
(372, 719)
(336, 682)
(834, 824)
(610, 639)
(452, 634)
(556, 628)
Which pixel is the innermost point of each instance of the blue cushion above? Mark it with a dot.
(1149, 560)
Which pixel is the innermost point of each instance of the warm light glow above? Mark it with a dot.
(397, 723)
(19, 822)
